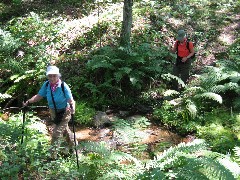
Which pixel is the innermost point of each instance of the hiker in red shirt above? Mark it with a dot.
(185, 52)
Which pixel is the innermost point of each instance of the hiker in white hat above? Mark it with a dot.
(61, 105)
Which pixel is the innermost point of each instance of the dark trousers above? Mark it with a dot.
(182, 71)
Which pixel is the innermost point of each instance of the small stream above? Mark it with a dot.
(151, 140)
(156, 140)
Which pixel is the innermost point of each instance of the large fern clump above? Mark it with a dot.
(118, 77)
(202, 94)
(191, 161)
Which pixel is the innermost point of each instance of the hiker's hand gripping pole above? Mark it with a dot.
(75, 142)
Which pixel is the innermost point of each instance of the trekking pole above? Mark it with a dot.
(75, 142)
(24, 114)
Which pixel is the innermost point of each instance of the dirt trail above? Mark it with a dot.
(228, 36)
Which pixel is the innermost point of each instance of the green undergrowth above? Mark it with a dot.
(220, 130)
(99, 161)
(84, 114)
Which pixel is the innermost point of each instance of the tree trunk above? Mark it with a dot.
(126, 24)
(7, 1)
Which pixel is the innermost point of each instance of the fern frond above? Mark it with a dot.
(208, 81)
(233, 167)
(232, 86)
(119, 156)
(192, 109)
(99, 61)
(186, 173)
(7, 42)
(107, 86)
(203, 168)
(121, 72)
(101, 148)
(154, 174)
(218, 88)
(194, 89)
(4, 96)
(117, 169)
(225, 87)
(229, 65)
(193, 161)
(196, 145)
(107, 51)
(92, 87)
(170, 77)
(210, 95)
(170, 92)
(13, 65)
(144, 48)
(116, 61)
(235, 77)
(236, 151)
(212, 76)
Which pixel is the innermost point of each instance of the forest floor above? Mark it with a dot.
(218, 51)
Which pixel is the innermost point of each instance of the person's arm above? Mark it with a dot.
(33, 99)
(191, 52)
(72, 105)
(70, 99)
(191, 49)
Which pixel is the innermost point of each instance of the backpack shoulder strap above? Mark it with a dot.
(62, 86)
(177, 46)
(188, 45)
(47, 82)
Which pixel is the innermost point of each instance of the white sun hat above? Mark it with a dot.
(52, 70)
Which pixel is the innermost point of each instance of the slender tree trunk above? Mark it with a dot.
(126, 24)
(7, 1)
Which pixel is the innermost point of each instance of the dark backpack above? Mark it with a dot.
(62, 86)
(193, 56)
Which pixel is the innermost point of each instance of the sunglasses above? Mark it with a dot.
(52, 75)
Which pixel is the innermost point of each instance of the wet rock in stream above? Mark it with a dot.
(101, 119)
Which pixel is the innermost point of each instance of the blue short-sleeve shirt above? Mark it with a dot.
(58, 95)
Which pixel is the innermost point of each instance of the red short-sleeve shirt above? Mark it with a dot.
(182, 48)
